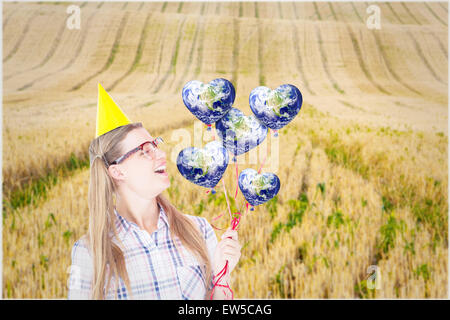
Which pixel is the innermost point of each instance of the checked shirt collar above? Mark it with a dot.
(123, 225)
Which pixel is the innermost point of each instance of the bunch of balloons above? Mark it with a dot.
(238, 133)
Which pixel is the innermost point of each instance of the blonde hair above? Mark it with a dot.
(108, 258)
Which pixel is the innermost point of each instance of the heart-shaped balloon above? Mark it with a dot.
(203, 166)
(258, 188)
(240, 133)
(276, 108)
(209, 102)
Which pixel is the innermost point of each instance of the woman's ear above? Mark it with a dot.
(115, 172)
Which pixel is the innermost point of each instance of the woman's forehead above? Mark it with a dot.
(136, 137)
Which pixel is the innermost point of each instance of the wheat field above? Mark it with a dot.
(363, 167)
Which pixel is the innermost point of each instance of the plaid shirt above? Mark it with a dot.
(156, 269)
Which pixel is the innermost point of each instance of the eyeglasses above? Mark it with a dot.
(148, 147)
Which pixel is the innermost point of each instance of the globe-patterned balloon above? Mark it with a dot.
(203, 166)
(209, 102)
(240, 133)
(276, 108)
(258, 188)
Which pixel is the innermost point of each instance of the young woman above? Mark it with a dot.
(139, 246)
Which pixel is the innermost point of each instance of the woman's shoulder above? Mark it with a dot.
(204, 225)
(80, 247)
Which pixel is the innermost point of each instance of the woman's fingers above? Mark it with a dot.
(230, 242)
(230, 233)
(232, 253)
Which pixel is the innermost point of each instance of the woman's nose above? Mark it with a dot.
(160, 153)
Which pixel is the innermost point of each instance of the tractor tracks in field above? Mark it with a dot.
(323, 55)
(218, 7)
(410, 14)
(424, 59)
(5, 22)
(358, 52)
(21, 37)
(173, 60)
(441, 46)
(161, 50)
(111, 56)
(261, 77)
(416, 46)
(71, 61)
(443, 7)
(137, 56)
(235, 56)
(325, 62)
(389, 66)
(435, 15)
(199, 28)
(362, 64)
(394, 13)
(298, 58)
(49, 54)
(356, 12)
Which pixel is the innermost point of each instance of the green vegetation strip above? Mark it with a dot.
(431, 213)
(38, 189)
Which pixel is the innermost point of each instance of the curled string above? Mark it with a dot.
(224, 271)
(234, 224)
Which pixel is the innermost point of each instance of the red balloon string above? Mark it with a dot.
(262, 164)
(234, 224)
(217, 217)
(216, 227)
(223, 272)
(219, 276)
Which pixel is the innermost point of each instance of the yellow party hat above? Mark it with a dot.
(109, 114)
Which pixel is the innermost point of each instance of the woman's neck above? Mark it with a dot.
(143, 212)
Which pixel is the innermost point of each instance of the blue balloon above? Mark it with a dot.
(276, 108)
(209, 102)
(258, 188)
(205, 166)
(240, 133)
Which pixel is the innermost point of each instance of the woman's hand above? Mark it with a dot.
(227, 249)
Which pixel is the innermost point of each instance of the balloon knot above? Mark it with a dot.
(213, 191)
